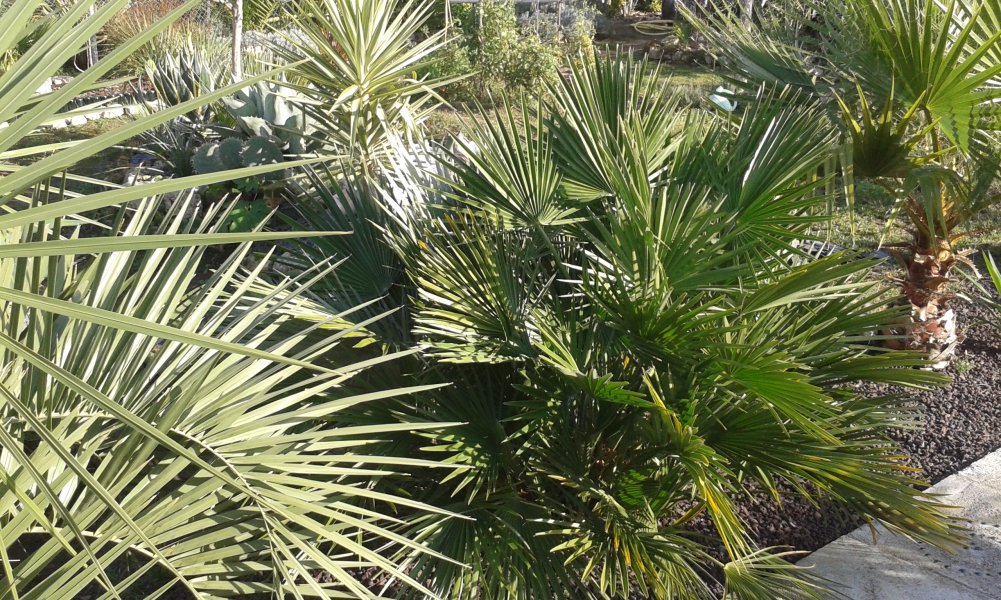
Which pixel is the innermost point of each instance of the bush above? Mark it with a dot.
(630, 350)
(505, 53)
(452, 61)
(508, 53)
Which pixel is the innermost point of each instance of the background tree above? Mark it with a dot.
(913, 86)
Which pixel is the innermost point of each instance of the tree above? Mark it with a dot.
(922, 120)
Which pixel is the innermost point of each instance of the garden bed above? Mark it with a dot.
(962, 425)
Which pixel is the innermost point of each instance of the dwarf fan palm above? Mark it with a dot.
(933, 70)
(607, 283)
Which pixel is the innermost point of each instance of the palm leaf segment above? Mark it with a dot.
(940, 58)
(163, 432)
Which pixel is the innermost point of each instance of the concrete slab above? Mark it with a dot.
(896, 568)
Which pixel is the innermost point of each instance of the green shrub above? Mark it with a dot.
(578, 41)
(607, 288)
(452, 61)
(506, 54)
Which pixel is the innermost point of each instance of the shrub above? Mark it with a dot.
(608, 287)
(506, 53)
(453, 62)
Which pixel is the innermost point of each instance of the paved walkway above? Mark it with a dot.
(897, 569)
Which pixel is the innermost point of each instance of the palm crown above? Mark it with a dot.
(913, 85)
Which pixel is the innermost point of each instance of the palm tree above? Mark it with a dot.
(608, 283)
(165, 428)
(914, 87)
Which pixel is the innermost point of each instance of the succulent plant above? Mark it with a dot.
(207, 159)
(262, 151)
(231, 153)
(268, 110)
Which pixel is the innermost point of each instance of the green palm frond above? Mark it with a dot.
(883, 144)
(755, 57)
(189, 459)
(941, 59)
(515, 179)
(477, 290)
(613, 125)
(167, 427)
(767, 573)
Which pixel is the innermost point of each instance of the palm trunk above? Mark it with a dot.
(933, 327)
(668, 10)
(747, 12)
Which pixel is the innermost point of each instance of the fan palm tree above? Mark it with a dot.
(610, 284)
(165, 429)
(914, 87)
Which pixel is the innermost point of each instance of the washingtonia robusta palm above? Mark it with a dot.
(913, 86)
(165, 429)
(608, 284)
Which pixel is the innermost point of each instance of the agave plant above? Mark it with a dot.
(933, 68)
(184, 75)
(608, 284)
(165, 430)
(268, 110)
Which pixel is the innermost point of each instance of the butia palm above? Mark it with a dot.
(607, 284)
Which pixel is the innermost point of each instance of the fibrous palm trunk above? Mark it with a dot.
(933, 327)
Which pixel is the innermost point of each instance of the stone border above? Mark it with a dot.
(896, 568)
